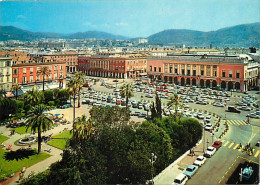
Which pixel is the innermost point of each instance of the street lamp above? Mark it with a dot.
(204, 125)
(212, 135)
(152, 160)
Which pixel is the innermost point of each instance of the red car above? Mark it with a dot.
(217, 144)
(159, 89)
(86, 85)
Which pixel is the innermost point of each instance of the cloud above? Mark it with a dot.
(121, 24)
(21, 17)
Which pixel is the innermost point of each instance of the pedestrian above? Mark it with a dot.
(193, 153)
(190, 152)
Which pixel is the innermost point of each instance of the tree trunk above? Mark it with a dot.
(16, 95)
(126, 102)
(79, 99)
(39, 139)
(74, 106)
(43, 82)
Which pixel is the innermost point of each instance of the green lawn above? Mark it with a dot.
(59, 140)
(9, 166)
(22, 130)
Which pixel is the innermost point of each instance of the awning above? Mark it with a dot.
(18, 92)
(142, 74)
(9, 95)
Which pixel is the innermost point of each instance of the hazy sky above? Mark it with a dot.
(132, 18)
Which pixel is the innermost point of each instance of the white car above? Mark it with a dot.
(200, 116)
(200, 160)
(210, 151)
(207, 119)
(180, 179)
(113, 100)
(208, 126)
(186, 106)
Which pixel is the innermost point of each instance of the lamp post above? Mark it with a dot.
(152, 160)
(204, 137)
(212, 135)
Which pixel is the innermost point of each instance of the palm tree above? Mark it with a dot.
(16, 88)
(44, 71)
(38, 121)
(73, 91)
(174, 101)
(33, 97)
(127, 92)
(83, 129)
(80, 79)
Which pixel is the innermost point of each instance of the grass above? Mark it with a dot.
(8, 166)
(22, 130)
(59, 140)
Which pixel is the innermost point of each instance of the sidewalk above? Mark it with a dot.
(168, 175)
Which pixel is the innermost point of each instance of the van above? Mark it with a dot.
(180, 179)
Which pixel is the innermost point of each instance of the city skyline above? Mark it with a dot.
(127, 18)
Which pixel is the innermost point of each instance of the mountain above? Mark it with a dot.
(13, 33)
(244, 35)
(95, 34)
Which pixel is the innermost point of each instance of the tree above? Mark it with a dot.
(156, 109)
(80, 80)
(44, 71)
(38, 121)
(48, 96)
(33, 97)
(127, 92)
(83, 130)
(16, 88)
(73, 91)
(7, 106)
(2, 93)
(174, 101)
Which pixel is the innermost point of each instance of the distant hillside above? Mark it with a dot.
(13, 33)
(245, 35)
(96, 35)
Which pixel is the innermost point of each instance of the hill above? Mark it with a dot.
(244, 35)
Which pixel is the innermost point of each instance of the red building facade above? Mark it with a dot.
(226, 72)
(27, 72)
(112, 67)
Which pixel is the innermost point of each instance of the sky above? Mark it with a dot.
(131, 18)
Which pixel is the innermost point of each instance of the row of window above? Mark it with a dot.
(15, 71)
(24, 78)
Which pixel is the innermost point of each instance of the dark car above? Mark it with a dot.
(86, 85)
(233, 109)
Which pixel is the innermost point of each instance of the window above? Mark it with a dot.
(170, 69)
(61, 67)
(214, 73)
(55, 68)
(188, 72)
(24, 79)
(61, 74)
(38, 77)
(55, 75)
(223, 74)
(160, 69)
(15, 80)
(202, 72)
(151, 68)
(176, 70)
(237, 74)
(154, 69)
(230, 73)
(194, 72)
(31, 70)
(183, 71)
(31, 78)
(7, 78)
(1, 79)
(24, 70)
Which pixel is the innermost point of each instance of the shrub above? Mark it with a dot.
(27, 107)
(51, 103)
(57, 102)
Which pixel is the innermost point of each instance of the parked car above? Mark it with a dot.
(200, 116)
(207, 119)
(217, 144)
(208, 126)
(181, 179)
(233, 109)
(210, 151)
(200, 160)
(191, 170)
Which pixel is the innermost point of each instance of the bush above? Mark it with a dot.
(51, 103)
(48, 95)
(57, 102)
(27, 108)
(20, 104)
